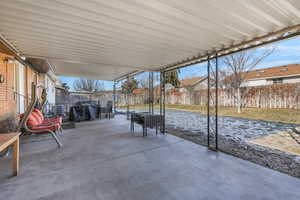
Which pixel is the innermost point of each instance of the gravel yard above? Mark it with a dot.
(239, 128)
(236, 136)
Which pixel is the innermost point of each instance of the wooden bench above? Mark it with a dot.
(6, 140)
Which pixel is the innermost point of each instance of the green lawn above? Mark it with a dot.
(278, 115)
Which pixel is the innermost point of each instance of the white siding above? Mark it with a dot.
(20, 77)
(50, 85)
(202, 85)
(256, 83)
(270, 82)
(292, 80)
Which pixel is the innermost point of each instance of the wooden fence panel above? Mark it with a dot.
(273, 96)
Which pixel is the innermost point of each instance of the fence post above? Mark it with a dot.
(114, 97)
(216, 104)
(208, 102)
(162, 102)
(127, 97)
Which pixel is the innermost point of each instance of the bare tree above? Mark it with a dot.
(238, 66)
(144, 83)
(84, 84)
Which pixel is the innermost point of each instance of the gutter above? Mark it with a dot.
(272, 77)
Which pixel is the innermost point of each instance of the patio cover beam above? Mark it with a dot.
(283, 34)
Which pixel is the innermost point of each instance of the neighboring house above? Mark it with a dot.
(61, 93)
(174, 95)
(274, 75)
(69, 98)
(138, 91)
(194, 84)
(188, 87)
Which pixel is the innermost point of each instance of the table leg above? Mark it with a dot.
(15, 161)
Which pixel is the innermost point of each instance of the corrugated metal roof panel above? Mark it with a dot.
(106, 39)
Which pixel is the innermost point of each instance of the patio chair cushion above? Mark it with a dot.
(43, 128)
(32, 121)
(37, 117)
(57, 120)
(39, 113)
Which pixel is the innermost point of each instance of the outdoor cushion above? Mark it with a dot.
(39, 113)
(46, 121)
(57, 120)
(37, 117)
(42, 128)
(32, 121)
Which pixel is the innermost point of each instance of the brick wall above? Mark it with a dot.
(8, 98)
(7, 101)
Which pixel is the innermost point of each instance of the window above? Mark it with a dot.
(277, 80)
(284, 69)
(19, 87)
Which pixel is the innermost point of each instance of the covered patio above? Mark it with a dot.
(104, 160)
(114, 41)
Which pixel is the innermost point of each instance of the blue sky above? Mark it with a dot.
(287, 52)
(108, 85)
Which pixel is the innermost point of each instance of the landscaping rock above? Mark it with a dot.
(245, 129)
(234, 137)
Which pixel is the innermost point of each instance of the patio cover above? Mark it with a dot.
(106, 40)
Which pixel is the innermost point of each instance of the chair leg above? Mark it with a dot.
(60, 130)
(59, 144)
(5, 153)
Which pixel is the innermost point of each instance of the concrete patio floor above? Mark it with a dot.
(103, 160)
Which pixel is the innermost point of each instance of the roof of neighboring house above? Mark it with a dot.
(174, 92)
(274, 72)
(138, 91)
(90, 92)
(191, 81)
(183, 83)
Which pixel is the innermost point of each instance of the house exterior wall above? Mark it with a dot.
(49, 83)
(253, 83)
(50, 86)
(31, 77)
(292, 80)
(264, 82)
(201, 85)
(15, 92)
(7, 100)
